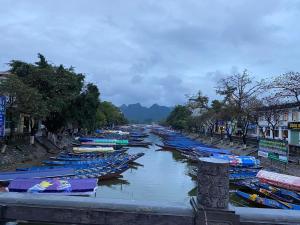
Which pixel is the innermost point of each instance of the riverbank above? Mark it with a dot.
(292, 168)
(20, 153)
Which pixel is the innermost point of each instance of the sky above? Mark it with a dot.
(151, 51)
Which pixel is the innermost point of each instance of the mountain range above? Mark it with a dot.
(136, 113)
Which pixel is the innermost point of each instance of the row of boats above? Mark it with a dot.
(77, 172)
(251, 182)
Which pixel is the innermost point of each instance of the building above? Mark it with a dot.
(281, 122)
(22, 125)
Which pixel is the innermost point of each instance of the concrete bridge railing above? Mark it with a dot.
(210, 207)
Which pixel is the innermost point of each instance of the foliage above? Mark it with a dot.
(112, 114)
(23, 99)
(57, 95)
(179, 117)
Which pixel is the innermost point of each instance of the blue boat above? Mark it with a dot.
(242, 175)
(61, 172)
(266, 202)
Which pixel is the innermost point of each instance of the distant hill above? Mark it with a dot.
(136, 113)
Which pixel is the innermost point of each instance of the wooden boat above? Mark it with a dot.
(61, 172)
(279, 180)
(257, 189)
(54, 186)
(289, 196)
(266, 202)
(103, 174)
(92, 149)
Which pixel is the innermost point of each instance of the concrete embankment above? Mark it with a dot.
(21, 153)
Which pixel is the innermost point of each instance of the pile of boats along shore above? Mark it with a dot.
(78, 171)
(253, 184)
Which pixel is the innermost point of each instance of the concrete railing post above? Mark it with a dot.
(211, 203)
(213, 183)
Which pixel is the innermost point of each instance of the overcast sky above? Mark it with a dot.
(154, 51)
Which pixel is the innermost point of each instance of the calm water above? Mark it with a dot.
(162, 176)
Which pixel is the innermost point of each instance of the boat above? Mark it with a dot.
(210, 151)
(259, 188)
(84, 187)
(234, 160)
(266, 202)
(102, 173)
(103, 140)
(242, 175)
(288, 195)
(61, 172)
(92, 149)
(279, 180)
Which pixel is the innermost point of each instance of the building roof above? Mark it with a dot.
(280, 106)
(4, 74)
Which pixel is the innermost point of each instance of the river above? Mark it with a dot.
(161, 177)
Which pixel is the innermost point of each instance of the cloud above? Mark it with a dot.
(154, 51)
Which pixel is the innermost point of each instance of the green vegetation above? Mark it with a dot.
(179, 117)
(57, 96)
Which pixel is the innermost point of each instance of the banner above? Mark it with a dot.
(2, 115)
(294, 126)
(274, 150)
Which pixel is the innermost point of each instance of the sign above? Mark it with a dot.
(2, 115)
(294, 125)
(274, 150)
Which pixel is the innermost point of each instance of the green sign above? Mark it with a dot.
(273, 149)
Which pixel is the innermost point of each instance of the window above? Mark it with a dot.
(295, 116)
(285, 116)
(268, 132)
(285, 134)
(276, 132)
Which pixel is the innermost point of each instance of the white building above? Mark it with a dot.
(287, 125)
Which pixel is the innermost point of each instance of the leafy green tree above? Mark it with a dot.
(58, 87)
(23, 99)
(112, 114)
(83, 110)
(179, 117)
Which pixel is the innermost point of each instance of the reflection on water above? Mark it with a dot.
(162, 177)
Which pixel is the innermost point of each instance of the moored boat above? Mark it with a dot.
(92, 149)
(279, 180)
(266, 202)
(54, 186)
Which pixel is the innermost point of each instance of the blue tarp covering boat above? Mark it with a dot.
(61, 172)
(203, 149)
(245, 161)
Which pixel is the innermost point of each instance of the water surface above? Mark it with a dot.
(161, 178)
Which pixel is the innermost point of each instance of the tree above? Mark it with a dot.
(198, 101)
(57, 85)
(286, 86)
(179, 117)
(240, 93)
(25, 100)
(271, 112)
(86, 105)
(112, 114)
